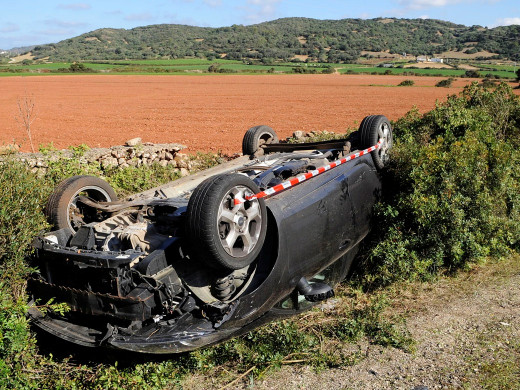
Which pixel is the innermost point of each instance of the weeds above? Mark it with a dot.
(26, 116)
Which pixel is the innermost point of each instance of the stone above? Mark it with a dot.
(109, 162)
(134, 141)
(168, 156)
(184, 172)
(10, 148)
(121, 161)
(180, 160)
(298, 134)
(163, 163)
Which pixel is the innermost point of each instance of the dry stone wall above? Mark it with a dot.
(115, 156)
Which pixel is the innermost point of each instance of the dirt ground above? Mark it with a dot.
(467, 334)
(206, 113)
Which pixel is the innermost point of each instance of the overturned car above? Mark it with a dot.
(214, 254)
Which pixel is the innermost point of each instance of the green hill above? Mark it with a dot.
(282, 39)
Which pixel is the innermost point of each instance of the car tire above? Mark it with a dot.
(62, 209)
(222, 235)
(371, 130)
(256, 137)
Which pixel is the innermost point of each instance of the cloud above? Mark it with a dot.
(261, 10)
(9, 28)
(422, 4)
(142, 17)
(64, 24)
(507, 22)
(213, 3)
(56, 32)
(75, 6)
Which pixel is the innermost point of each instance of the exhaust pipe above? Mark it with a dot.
(314, 292)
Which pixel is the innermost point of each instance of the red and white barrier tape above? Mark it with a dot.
(301, 178)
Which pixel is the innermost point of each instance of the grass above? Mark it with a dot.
(185, 66)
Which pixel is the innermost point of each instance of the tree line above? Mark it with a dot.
(333, 41)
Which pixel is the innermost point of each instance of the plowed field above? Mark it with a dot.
(206, 113)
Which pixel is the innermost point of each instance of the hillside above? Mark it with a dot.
(283, 39)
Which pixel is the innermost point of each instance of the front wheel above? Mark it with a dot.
(372, 129)
(64, 210)
(225, 235)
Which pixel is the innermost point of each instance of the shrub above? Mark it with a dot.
(452, 190)
(406, 83)
(20, 218)
(446, 83)
(328, 70)
(472, 74)
(488, 83)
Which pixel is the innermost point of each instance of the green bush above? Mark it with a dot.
(446, 83)
(452, 191)
(21, 216)
(489, 83)
(406, 83)
(472, 74)
(21, 199)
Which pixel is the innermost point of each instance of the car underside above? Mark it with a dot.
(205, 258)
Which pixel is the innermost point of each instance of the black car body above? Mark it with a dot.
(195, 262)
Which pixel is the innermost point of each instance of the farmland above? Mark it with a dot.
(204, 113)
(198, 66)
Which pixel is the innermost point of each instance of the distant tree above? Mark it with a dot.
(446, 83)
(406, 83)
(214, 68)
(472, 74)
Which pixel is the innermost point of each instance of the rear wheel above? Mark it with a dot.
(256, 137)
(64, 210)
(225, 235)
(372, 129)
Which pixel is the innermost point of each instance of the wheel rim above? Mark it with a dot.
(239, 225)
(78, 214)
(384, 133)
(265, 138)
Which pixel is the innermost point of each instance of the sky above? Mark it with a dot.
(32, 22)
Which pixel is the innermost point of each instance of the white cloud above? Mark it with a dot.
(64, 24)
(424, 17)
(56, 32)
(142, 17)
(213, 3)
(507, 22)
(421, 4)
(261, 10)
(75, 6)
(9, 28)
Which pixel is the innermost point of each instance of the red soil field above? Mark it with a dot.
(205, 113)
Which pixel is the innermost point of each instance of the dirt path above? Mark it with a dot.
(467, 333)
(207, 113)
